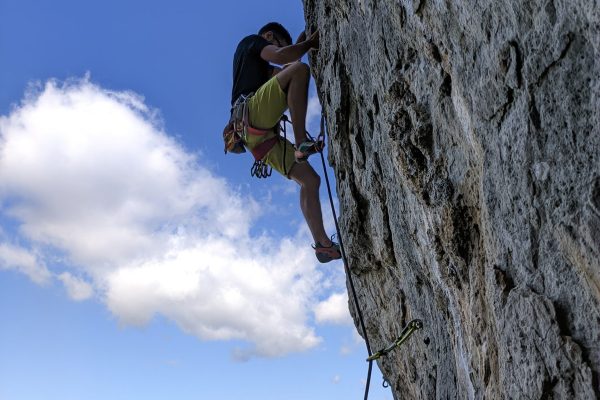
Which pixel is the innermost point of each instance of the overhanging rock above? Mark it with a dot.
(466, 145)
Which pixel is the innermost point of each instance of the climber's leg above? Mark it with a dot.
(294, 81)
(309, 182)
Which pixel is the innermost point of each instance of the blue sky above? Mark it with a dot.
(136, 260)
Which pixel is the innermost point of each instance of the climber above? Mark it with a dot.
(270, 91)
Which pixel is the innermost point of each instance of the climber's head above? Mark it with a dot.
(275, 33)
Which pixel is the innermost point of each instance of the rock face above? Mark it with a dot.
(466, 145)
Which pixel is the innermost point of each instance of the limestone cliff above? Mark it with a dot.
(466, 146)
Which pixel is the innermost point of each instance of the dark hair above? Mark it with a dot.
(278, 29)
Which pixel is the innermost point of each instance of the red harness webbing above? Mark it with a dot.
(256, 131)
(260, 151)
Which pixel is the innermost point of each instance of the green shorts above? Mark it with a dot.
(265, 108)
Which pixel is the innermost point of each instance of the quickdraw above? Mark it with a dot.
(412, 326)
(260, 170)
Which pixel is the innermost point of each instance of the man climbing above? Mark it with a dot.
(272, 91)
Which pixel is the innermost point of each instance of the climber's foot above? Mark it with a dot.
(327, 253)
(307, 148)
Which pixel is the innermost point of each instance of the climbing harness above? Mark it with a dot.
(238, 129)
(412, 326)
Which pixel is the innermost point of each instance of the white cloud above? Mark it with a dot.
(24, 261)
(333, 310)
(350, 346)
(90, 174)
(173, 363)
(94, 173)
(346, 350)
(222, 289)
(77, 288)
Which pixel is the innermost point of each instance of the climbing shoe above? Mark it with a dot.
(307, 148)
(325, 254)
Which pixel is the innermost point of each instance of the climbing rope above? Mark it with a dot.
(345, 260)
(285, 120)
(411, 327)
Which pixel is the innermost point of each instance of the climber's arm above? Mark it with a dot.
(289, 54)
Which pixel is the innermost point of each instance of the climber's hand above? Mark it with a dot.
(314, 40)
